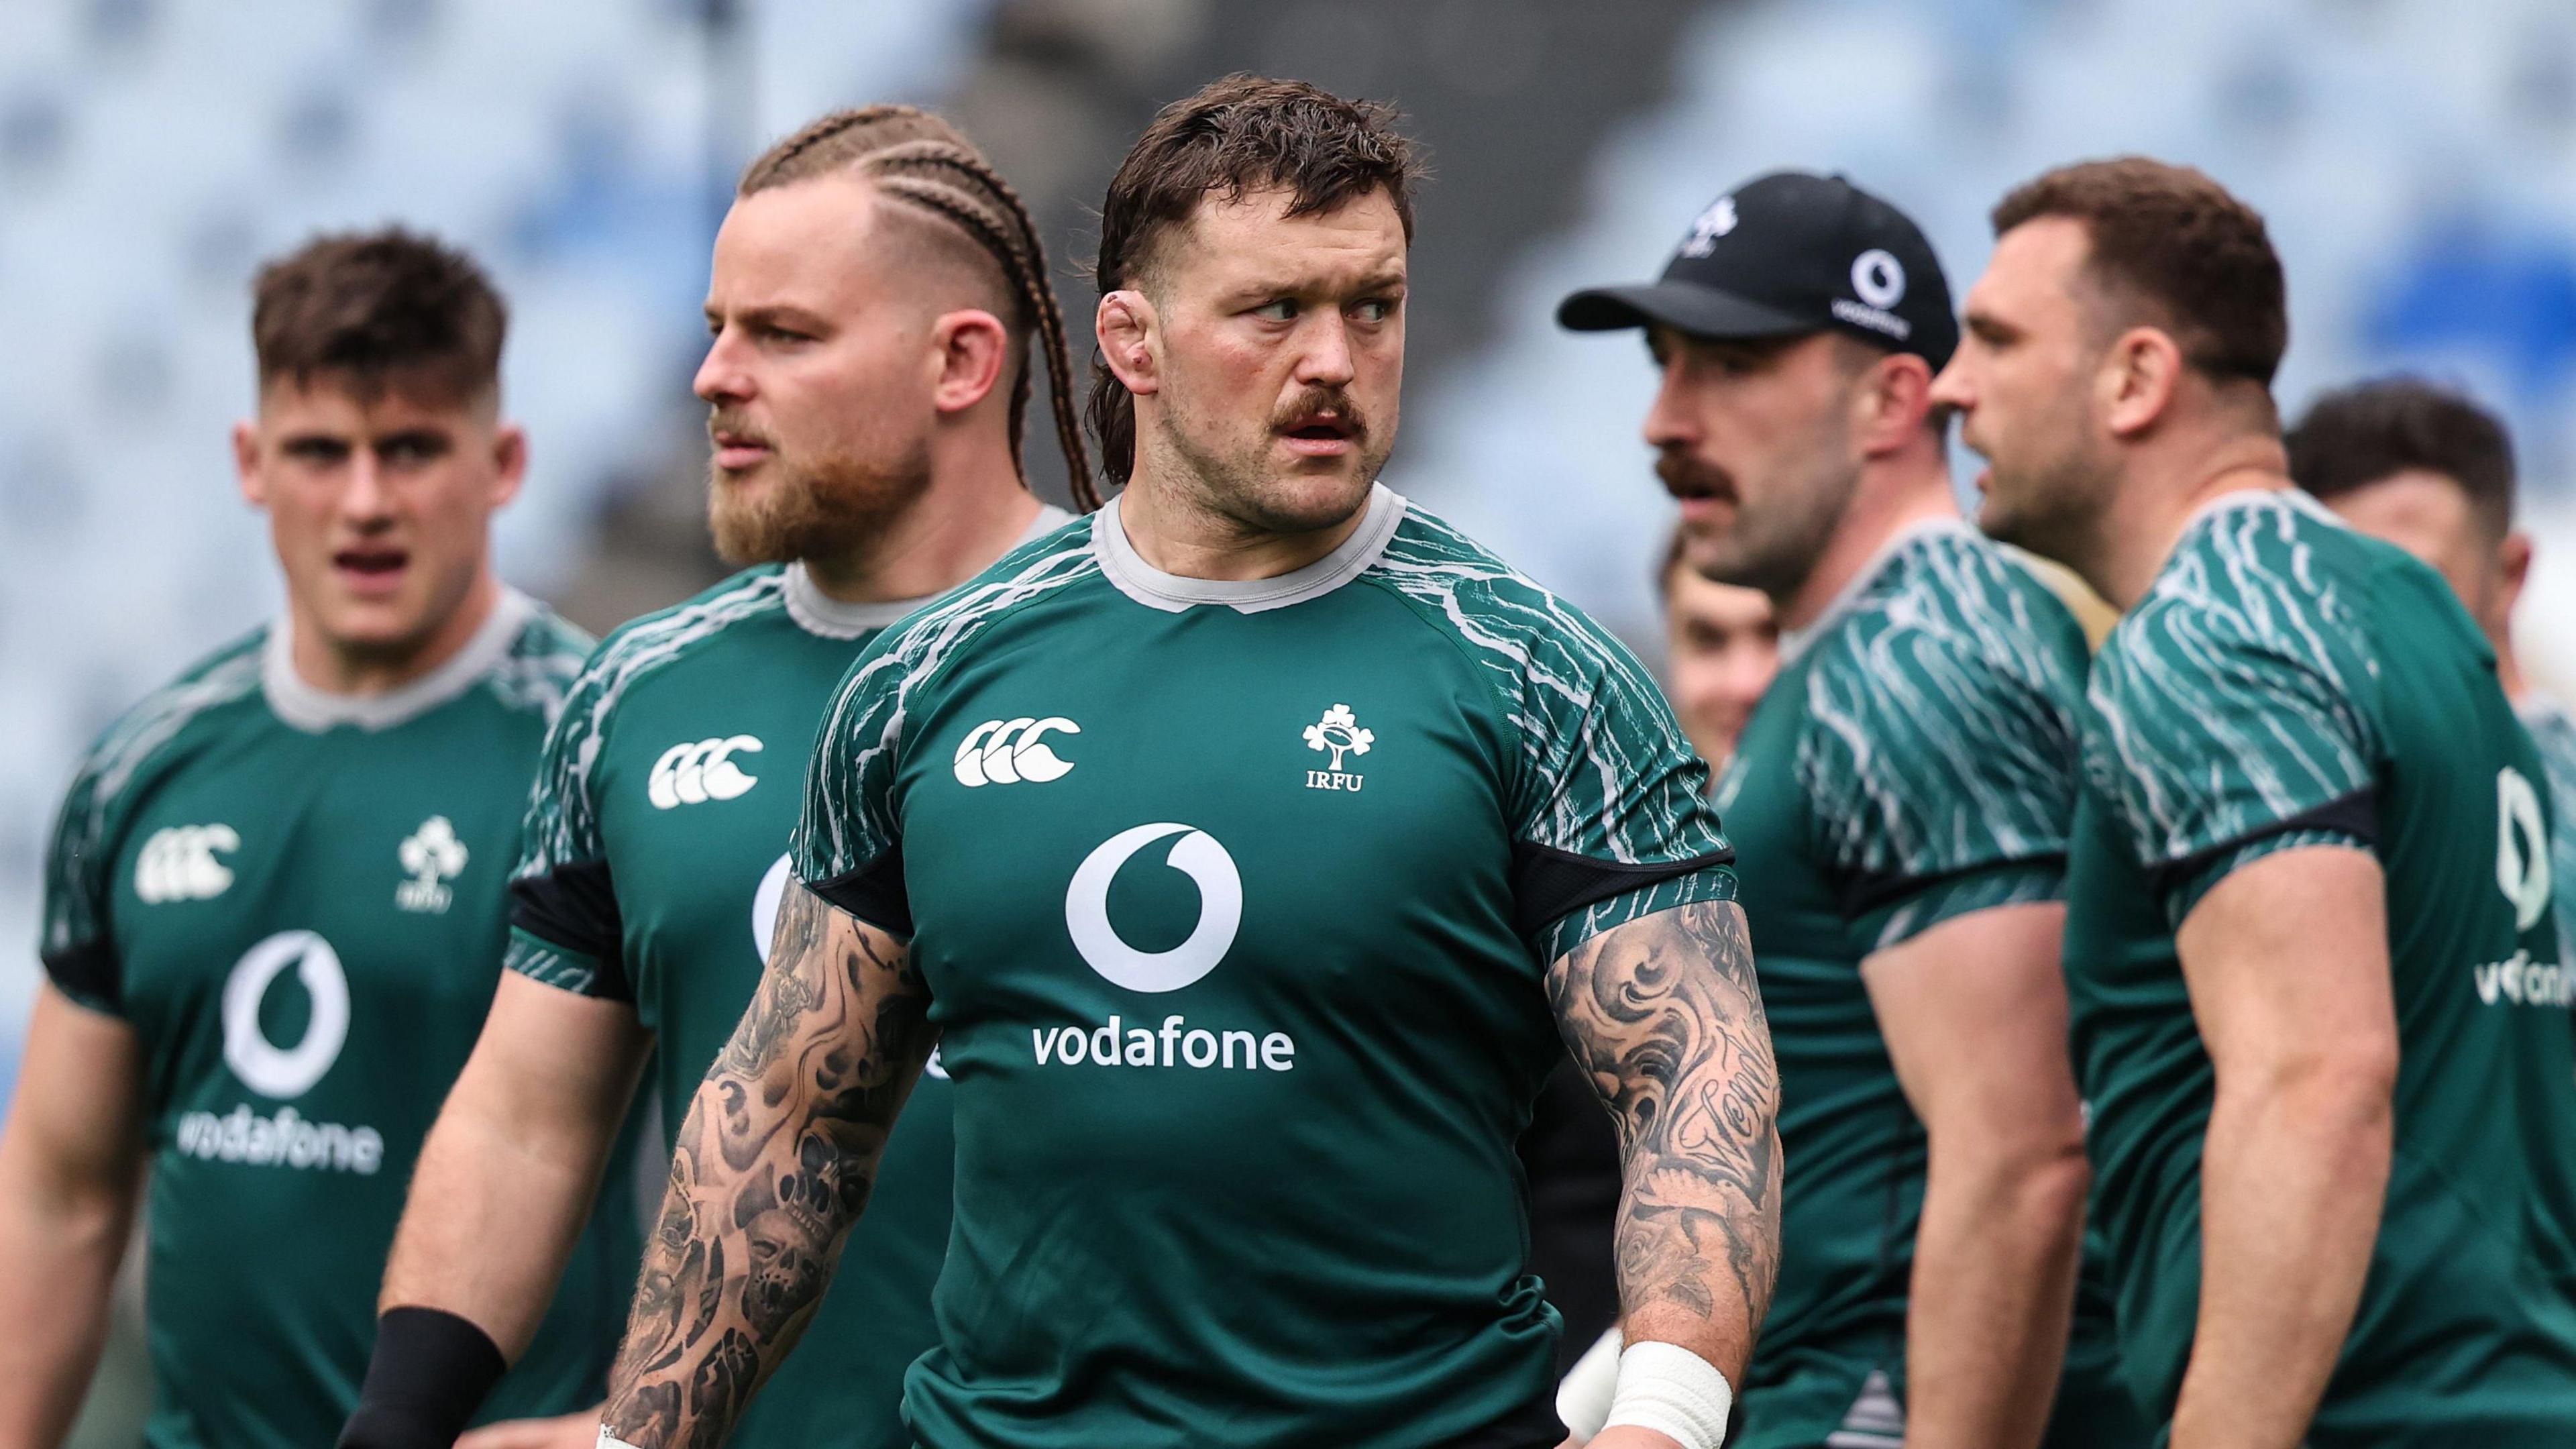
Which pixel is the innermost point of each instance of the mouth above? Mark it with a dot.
(370, 569)
(1703, 492)
(1320, 435)
(737, 452)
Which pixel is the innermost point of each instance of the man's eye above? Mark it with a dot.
(1376, 310)
(1283, 310)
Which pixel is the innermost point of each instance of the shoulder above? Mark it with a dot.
(927, 640)
(147, 743)
(1951, 631)
(1533, 643)
(544, 657)
(152, 729)
(644, 646)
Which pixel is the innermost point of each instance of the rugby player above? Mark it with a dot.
(876, 289)
(1721, 648)
(1901, 798)
(1318, 834)
(2317, 999)
(2432, 472)
(277, 894)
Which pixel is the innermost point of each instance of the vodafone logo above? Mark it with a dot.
(2522, 848)
(263, 1065)
(1197, 855)
(1008, 751)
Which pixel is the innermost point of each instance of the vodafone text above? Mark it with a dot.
(1176, 1044)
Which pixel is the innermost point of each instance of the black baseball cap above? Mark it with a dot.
(1786, 254)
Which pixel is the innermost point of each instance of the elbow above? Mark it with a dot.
(2341, 1091)
(2037, 1177)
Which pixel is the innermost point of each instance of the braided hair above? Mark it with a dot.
(916, 158)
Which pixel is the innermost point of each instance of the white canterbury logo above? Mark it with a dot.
(1007, 751)
(178, 864)
(694, 774)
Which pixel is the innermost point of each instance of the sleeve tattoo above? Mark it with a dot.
(1663, 1014)
(773, 1164)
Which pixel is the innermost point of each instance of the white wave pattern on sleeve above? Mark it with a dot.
(1944, 718)
(2229, 700)
(1606, 771)
(849, 799)
(563, 818)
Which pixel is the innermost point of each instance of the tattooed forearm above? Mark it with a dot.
(1664, 1016)
(767, 1174)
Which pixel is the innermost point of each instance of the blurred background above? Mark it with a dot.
(2416, 158)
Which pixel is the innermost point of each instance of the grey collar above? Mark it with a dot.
(825, 617)
(1172, 593)
(308, 707)
(1794, 642)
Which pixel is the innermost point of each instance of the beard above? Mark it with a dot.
(810, 507)
(1239, 481)
(1774, 544)
(2053, 510)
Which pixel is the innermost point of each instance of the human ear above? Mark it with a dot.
(2136, 383)
(970, 350)
(1125, 328)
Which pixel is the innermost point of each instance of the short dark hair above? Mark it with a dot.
(378, 308)
(2181, 243)
(2364, 434)
(1242, 133)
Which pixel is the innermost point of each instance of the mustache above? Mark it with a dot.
(721, 421)
(1298, 410)
(1687, 477)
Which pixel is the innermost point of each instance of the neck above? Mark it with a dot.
(1168, 514)
(335, 668)
(973, 511)
(1893, 495)
(2155, 500)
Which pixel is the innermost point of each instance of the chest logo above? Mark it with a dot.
(1008, 751)
(1339, 732)
(432, 856)
(703, 770)
(1197, 855)
(2522, 848)
(178, 864)
(263, 1065)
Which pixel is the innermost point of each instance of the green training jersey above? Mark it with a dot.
(1914, 761)
(2553, 730)
(297, 901)
(1234, 899)
(650, 873)
(2288, 682)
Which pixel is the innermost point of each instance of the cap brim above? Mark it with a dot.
(1684, 306)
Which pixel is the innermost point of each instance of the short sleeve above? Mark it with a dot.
(2223, 731)
(1941, 772)
(565, 928)
(1611, 818)
(848, 846)
(78, 946)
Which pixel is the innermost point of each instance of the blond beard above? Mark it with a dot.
(831, 507)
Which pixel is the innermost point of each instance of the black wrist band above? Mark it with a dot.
(430, 1372)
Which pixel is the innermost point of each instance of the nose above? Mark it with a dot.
(722, 377)
(1950, 387)
(1326, 361)
(1668, 422)
(367, 499)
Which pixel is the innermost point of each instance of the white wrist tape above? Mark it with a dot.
(1583, 1396)
(611, 1441)
(1673, 1391)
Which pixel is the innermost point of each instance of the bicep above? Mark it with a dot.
(75, 1121)
(546, 1049)
(1973, 1011)
(1647, 1005)
(2286, 958)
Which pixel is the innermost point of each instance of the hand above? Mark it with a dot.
(570, 1431)
(1617, 1436)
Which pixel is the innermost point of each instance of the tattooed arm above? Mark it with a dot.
(772, 1167)
(1663, 1015)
